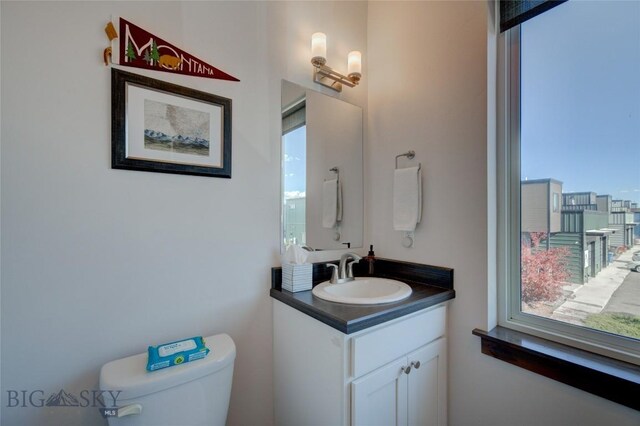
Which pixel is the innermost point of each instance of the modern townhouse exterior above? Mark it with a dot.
(604, 203)
(579, 201)
(543, 210)
(586, 233)
(577, 221)
(541, 206)
(621, 218)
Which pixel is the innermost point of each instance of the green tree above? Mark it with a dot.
(130, 52)
(147, 57)
(155, 55)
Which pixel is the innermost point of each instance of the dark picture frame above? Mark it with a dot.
(200, 146)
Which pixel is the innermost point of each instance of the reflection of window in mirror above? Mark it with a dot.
(294, 162)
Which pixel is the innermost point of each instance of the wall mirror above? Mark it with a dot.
(322, 193)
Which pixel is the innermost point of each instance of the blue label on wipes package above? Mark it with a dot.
(159, 365)
(197, 355)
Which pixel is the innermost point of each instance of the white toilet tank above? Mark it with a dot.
(192, 394)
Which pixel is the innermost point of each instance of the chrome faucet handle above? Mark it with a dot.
(334, 273)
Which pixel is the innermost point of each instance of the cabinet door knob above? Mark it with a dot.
(415, 364)
(406, 370)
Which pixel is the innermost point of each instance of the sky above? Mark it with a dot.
(580, 105)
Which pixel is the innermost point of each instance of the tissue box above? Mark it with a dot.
(297, 277)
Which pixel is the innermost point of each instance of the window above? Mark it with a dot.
(571, 152)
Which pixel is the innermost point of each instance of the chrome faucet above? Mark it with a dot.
(344, 272)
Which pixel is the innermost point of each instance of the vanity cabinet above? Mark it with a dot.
(408, 391)
(393, 373)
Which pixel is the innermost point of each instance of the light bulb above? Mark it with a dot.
(318, 49)
(354, 65)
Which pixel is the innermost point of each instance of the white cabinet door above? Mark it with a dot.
(380, 397)
(427, 388)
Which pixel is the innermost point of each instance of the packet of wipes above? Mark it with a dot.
(176, 353)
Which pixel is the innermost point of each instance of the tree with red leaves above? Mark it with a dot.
(543, 270)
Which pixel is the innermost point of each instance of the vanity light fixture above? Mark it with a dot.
(327, 76)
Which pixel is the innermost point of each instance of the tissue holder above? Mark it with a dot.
(297, 277)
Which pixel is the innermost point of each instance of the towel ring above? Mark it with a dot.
(337, 172)
(410, 155)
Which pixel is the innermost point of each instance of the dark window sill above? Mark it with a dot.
(608, 378)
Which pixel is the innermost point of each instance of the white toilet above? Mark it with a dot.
(194, 393)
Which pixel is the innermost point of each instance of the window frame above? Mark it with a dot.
(508, 232)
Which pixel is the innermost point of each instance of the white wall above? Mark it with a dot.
(98, 263)
(428, 92)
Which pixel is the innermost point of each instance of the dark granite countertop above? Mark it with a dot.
(430, 284)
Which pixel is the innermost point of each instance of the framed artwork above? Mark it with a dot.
(162, 127)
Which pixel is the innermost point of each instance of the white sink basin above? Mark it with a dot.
(363, 291)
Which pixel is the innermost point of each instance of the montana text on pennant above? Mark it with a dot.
(141, 49)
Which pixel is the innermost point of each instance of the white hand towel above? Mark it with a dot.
(407, 199)
(329, 203)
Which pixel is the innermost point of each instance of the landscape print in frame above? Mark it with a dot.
(162, 127)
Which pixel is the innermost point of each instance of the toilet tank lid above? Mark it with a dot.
(129, 375)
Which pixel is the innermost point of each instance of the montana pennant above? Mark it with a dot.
(141, 49)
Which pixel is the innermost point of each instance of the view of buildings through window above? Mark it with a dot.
(294, 148)
(580, 165)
